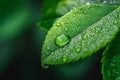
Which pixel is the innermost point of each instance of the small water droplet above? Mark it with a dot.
(48, 48)
(64, 59)
(78, 50)
(65, 29)
(62, 40)
(115, 22)
(93, 29)
(97, 5)
(84, 37)
(102, 34)
(61, 50)
(77, 24)
(45, 66)
(57, 24)
(53, 52)
(96, 31)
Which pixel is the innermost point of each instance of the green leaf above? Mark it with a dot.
(111, 60)
(51, 11)
(14, 23)
(80, 33)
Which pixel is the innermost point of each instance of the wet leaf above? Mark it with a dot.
(89, 28)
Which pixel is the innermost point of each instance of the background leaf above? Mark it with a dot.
(13, 20)
(77, 34)
(111, 60)
(51, 12)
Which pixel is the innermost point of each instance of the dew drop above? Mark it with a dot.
(48, 48)
(102, 34)
(62, 40)
(57, 24)
(84, 37)
(64, 59)
(93, 29)
(115, 22)
(53, 52)
(77, 24)
(78, 50)
(96, 31)
(45, 66)
(61, 50)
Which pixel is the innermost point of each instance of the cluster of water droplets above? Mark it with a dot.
(110, 1)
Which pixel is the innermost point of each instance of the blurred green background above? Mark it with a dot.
(23, 27)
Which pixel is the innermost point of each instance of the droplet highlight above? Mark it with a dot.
(78, 50)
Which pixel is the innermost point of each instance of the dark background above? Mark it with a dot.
(20, 53)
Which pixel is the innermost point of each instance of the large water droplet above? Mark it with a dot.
(45, 66)
(62, 40)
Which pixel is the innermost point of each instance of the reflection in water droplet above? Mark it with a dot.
(62, 40)
(45, 66)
